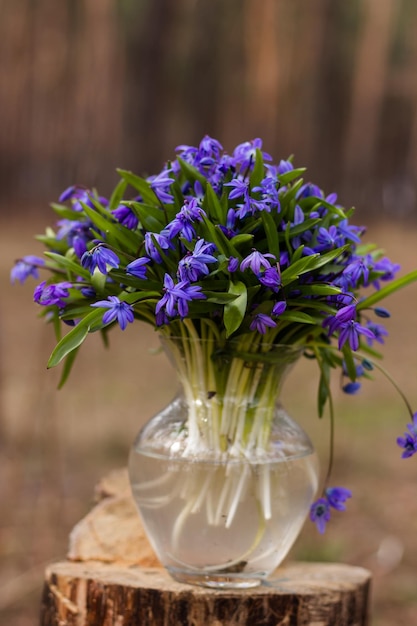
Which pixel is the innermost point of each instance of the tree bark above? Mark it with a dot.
(112, 578)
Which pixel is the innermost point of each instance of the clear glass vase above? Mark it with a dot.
(223, 478)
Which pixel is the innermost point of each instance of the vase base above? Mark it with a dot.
(215, 581)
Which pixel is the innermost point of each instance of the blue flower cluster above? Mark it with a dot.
(229, 239)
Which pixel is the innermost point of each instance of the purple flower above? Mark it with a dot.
(126, 216)
(271, 278)
(378, 331)
(25, 267)
(54, 294)
(244, 154)
(409, 441)
(160, 185)
(183, 222)
(176, 297)
(229, 229)
(387, 268)
(350, 331)
(255, 260)
(351, 388)
(100, 257)
(138, 267)
(194, 264)
(320, 514)
(359, 268)
(337, 496)
(240, 188)
(329, 238)
(122, 312)
(279, 307)
(233, 264)
(79, 195)
(151, 249)
(260, 323)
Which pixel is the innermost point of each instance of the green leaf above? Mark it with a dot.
(297, 316)
(258, 172)
(75, 337)
(150, 216)
(399, 283)
(117, 195)
(288, 177)
(69, 362)
(234, 311)
(191, 173)
(271, 233)
(218, 297)
(141, 185)
(213, 204)
(68, 264)
(349, 362)
(240, 240)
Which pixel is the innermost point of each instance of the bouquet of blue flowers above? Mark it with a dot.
(222, 247)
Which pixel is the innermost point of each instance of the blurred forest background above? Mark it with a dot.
(90, 85)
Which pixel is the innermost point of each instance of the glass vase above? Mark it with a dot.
(223, 478)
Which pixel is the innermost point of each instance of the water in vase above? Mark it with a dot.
(222, 521)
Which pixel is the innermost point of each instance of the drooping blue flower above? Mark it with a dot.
(320, 514)
(119, 311)
(271, 278)
(230, 230)
(279, 307)
(350, 331)
(25, 267)
(255, 260)
(126, 216)
(233, 264)
(261, 322)
(351, 388)
(163, 242)
(138, 267)
(387, 268)
(378, 331)
(409, 441)
(184, 221)
(381, 312)
(100, 257)
(53, 294)
(76, 233)
(176, 297)
(337, 496)
(161, 186)
(79, 195)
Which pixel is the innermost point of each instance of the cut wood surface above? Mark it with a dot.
(113, 578)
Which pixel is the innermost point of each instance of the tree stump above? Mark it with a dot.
(112, 578)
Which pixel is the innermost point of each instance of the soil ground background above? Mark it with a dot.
(56, 445)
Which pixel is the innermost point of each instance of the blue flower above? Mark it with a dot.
(351, 388)
(271, 278)
(122, 312)
(138, 267)
(194, 264)
(378, 331)
(245, 153)
(350, 331)
(334, 497)
(255, 260)
(233, 264)
(337, 496)
(176, 297)
(184, 220)
(163, 242)
(409, 441)
(126, 216)
(261, 322)
(160, 185)
(320, 514)
(101, 257)
(25, 267)
(279, 307)
(54, 294)
(240, 188)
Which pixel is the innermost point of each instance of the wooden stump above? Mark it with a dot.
(112, 578)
